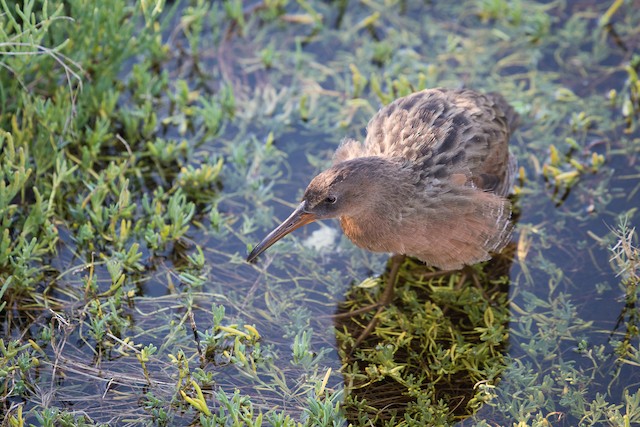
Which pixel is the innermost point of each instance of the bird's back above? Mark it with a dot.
(444, 132)
(452, 172)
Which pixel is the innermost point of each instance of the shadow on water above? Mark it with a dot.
(445, 334)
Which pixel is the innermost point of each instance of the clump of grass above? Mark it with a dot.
(444, 335)
(625, 255)
(562, 172)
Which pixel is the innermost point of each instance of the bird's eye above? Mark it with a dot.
(330, 199)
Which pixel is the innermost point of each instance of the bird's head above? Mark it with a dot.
(344, 189)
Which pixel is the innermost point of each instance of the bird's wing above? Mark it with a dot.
(487, 144)
(443, 132)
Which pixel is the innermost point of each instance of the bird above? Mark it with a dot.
(430, 181)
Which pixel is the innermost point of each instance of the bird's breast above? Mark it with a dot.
(371, 234)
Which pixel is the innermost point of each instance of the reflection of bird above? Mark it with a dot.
(429, 181)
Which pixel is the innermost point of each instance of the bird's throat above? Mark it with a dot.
(368, 232)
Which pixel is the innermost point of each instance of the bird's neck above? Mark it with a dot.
(381, 207)
(371, 232)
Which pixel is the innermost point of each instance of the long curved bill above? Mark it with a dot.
(297, 219)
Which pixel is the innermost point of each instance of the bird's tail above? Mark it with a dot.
(513, 118)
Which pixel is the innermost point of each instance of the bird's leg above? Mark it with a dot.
(462, 279)
(387, 293)
(389, 289)
(385, 299)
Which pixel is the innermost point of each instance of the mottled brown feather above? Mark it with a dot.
(440, 135)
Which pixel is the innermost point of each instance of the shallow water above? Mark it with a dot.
(567, 314)
(564, 285)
